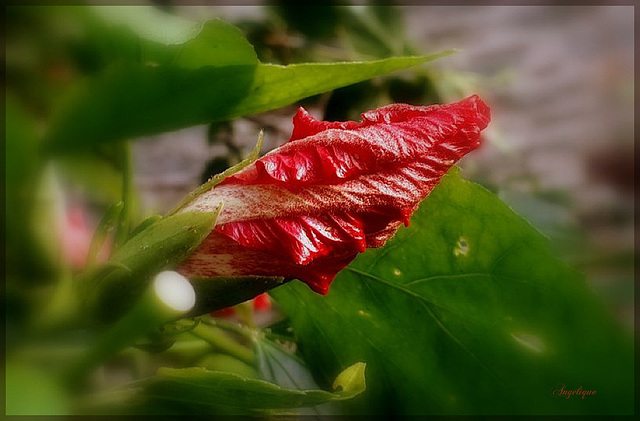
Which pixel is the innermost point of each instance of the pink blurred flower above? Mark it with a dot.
(76, 239)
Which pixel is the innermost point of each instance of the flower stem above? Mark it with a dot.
(242, 330)
(222, 342)
(124, 222)
(250, 333)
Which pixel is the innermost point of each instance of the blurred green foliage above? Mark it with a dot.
(84, 81)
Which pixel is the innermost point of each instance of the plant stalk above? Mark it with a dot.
(222, 342)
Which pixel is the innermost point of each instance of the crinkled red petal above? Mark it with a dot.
(307, 208)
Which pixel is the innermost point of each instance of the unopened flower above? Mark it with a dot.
(307, 208)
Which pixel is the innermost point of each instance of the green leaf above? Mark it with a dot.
(149, 23)
(141, 100)
(197, 389)
(282, 368)
(133, 101)
(189, 79)
(218, 44)
(465, 312)
(277, 366)
(352, 378)
(160, 246)
(146, 223)
(275, 86)
(164, 38)
(105, 226)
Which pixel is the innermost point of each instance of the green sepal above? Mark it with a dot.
(160, 246)
(225, 291)
(146, 223)
(107, 224)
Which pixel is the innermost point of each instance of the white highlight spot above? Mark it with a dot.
(461, 248)
(397, 272)
(174, 290)
(530, 341)
(364, 313)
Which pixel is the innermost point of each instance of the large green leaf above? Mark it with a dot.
(201, 391)
(136, 100)
(190, 72)
(146, 34)
(212, 76)
(276, 86)
(465, 312)
(148, 23)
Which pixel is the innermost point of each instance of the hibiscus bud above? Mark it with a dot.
(307, 208)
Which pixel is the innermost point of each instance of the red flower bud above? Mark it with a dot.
(307, 208)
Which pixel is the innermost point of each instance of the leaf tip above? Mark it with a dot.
(351, 381)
